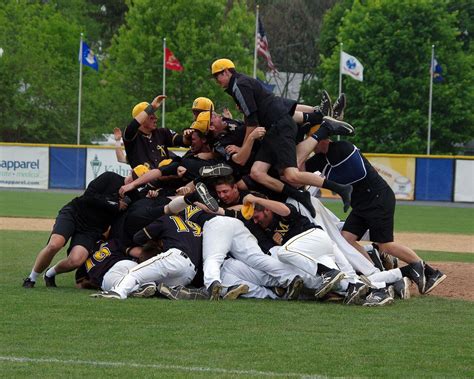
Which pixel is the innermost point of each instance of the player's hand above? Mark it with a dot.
(226, 113)
(157, 101)
(122, 204)
(232, 149)
(117, 134)
(152, 194)
(249, 199)
(126, 188)
(258, 133)
(181, 191)
(181, 171)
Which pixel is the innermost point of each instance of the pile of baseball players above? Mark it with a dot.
(237, 215)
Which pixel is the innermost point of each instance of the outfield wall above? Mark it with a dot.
(412, 177)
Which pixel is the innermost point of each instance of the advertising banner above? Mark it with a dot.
(99, 161)
(398, 172)
(24, 167)
(464, 181)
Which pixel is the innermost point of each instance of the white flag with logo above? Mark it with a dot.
(351, 66)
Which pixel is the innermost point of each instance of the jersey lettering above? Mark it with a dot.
(98, 256)
(185, 225)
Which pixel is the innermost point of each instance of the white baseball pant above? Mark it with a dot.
(173, 268)
(222, 235)
(116, 273)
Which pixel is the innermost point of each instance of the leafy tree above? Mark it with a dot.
(393, 41)
(197, 32)
(38, 74)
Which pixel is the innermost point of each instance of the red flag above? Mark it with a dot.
(172, 62)
(262, 46)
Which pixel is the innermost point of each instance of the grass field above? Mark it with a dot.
(62, 332)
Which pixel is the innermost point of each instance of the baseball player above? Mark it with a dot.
(308, 247)
(373, 207)
(83, 221)
(261, 108)
(144, 142)
(179, 262)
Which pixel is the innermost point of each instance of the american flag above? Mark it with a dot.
(262, 46)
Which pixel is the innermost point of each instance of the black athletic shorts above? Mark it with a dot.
(69, 226)
(278, 147)
(374, 213)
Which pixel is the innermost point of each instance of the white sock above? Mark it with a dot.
(51, 272)
(34, 275)
(177, 205)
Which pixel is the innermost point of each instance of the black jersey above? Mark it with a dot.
(344, 163)
(148, 149)
(282, 229)
(176, 231)
(99, 205)
(104, 256)
(259, 105)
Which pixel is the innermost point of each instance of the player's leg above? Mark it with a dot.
(216, 243)
(63, 229)
(116, 273)
(171, 267)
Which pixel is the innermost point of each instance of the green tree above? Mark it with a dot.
(197, 33)
(393, 41)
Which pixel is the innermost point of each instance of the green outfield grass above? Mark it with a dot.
(408, 218)
(64, 332)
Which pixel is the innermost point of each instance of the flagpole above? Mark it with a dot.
(255, 45)
(428, 143)
(80, 94)
(164, 85)
(340, 71)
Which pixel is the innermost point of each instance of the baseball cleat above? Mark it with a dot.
(106, 295)
(338, 108)
(146, 290)
(375, 257)
(215, 290)
(235, 291)
(417, 275)
(336, 127)
(433, 280)
(220, 169)
(28, 283)
(182, 293)
(325, 107)
(206, 198)
(378, 298)
(49, 280)
(402, 288)
(295, 287)
(356, 293)
(330, 280)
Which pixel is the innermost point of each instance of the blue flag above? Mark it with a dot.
(88, 57)
(437, 71)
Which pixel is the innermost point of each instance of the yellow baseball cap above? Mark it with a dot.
(139, 171)
(140, 107)
(202, 122)
(203, 104)
(221, 65)
(247, 210)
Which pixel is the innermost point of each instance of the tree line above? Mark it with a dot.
(39, 68)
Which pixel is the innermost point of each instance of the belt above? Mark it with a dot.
(183, 254)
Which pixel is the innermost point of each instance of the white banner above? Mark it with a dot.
(464, 181)
(351, 66)
(24, 167)
(99, 161)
